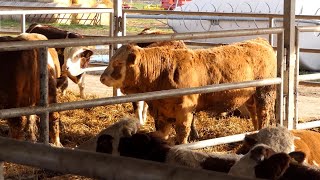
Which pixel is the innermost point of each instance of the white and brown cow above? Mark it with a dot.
(20, 75)
(283, 140)
(138, 70)
(55, 33)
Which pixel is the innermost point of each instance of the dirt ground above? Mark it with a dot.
(308, 99)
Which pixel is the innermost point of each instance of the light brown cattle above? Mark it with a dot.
(138, 70)
(19, 72)
(282, 140)
(140, 108)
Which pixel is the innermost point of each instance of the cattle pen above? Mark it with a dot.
(107, 166)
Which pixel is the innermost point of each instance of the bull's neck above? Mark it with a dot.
(152, 66)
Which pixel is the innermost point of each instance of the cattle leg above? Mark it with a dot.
(32, 128)
(251, 107)
(16, 127)
(264, 103)
(54, 118)
(183, 126)
(141, 109)
(81, 85)
(193, 133)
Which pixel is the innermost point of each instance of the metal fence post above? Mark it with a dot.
(23, 23)
(289, 43)
(117, 6)
(280, 72)
(44, 117)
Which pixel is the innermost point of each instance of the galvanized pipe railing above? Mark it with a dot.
(305, 77)
(14, 112)
(97, 165)
(44, 95)
(58, 43)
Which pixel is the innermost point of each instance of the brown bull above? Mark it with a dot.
(160, 68)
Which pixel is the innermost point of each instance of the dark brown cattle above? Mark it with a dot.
(54, 33)
(19, 73)
(138, 70)
(281, 166)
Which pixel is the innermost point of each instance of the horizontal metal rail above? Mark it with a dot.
(58, 43)
(55, 11)
(308, 125)
(307, 77)
(97, 165)
(308, 28)
(261, 15)
(102, 68)
(214, 18)
(215, 141)
(15, 112)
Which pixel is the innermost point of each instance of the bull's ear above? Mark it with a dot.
(87, 53)
(298, 156)
(133, 54)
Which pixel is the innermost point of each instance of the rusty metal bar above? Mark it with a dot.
(6, 113)
(97, 165)
(55, 43)
(44, 116)
(280, 68)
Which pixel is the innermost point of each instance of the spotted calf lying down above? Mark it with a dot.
(123, 128)
(148, 146)
(263, 162)
(283, 140)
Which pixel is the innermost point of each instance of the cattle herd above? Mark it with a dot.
(271, 153)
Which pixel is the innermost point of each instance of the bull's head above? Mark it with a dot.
(123, 59)
(76, 59)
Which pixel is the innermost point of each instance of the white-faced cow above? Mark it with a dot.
(139, 70)
(20, 73)
(283, 140)
(55, 33)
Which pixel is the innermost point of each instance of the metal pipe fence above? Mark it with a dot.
(97, 165)
(13, 46)
(299, 78)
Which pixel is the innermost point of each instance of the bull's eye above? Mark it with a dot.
(117, 63)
